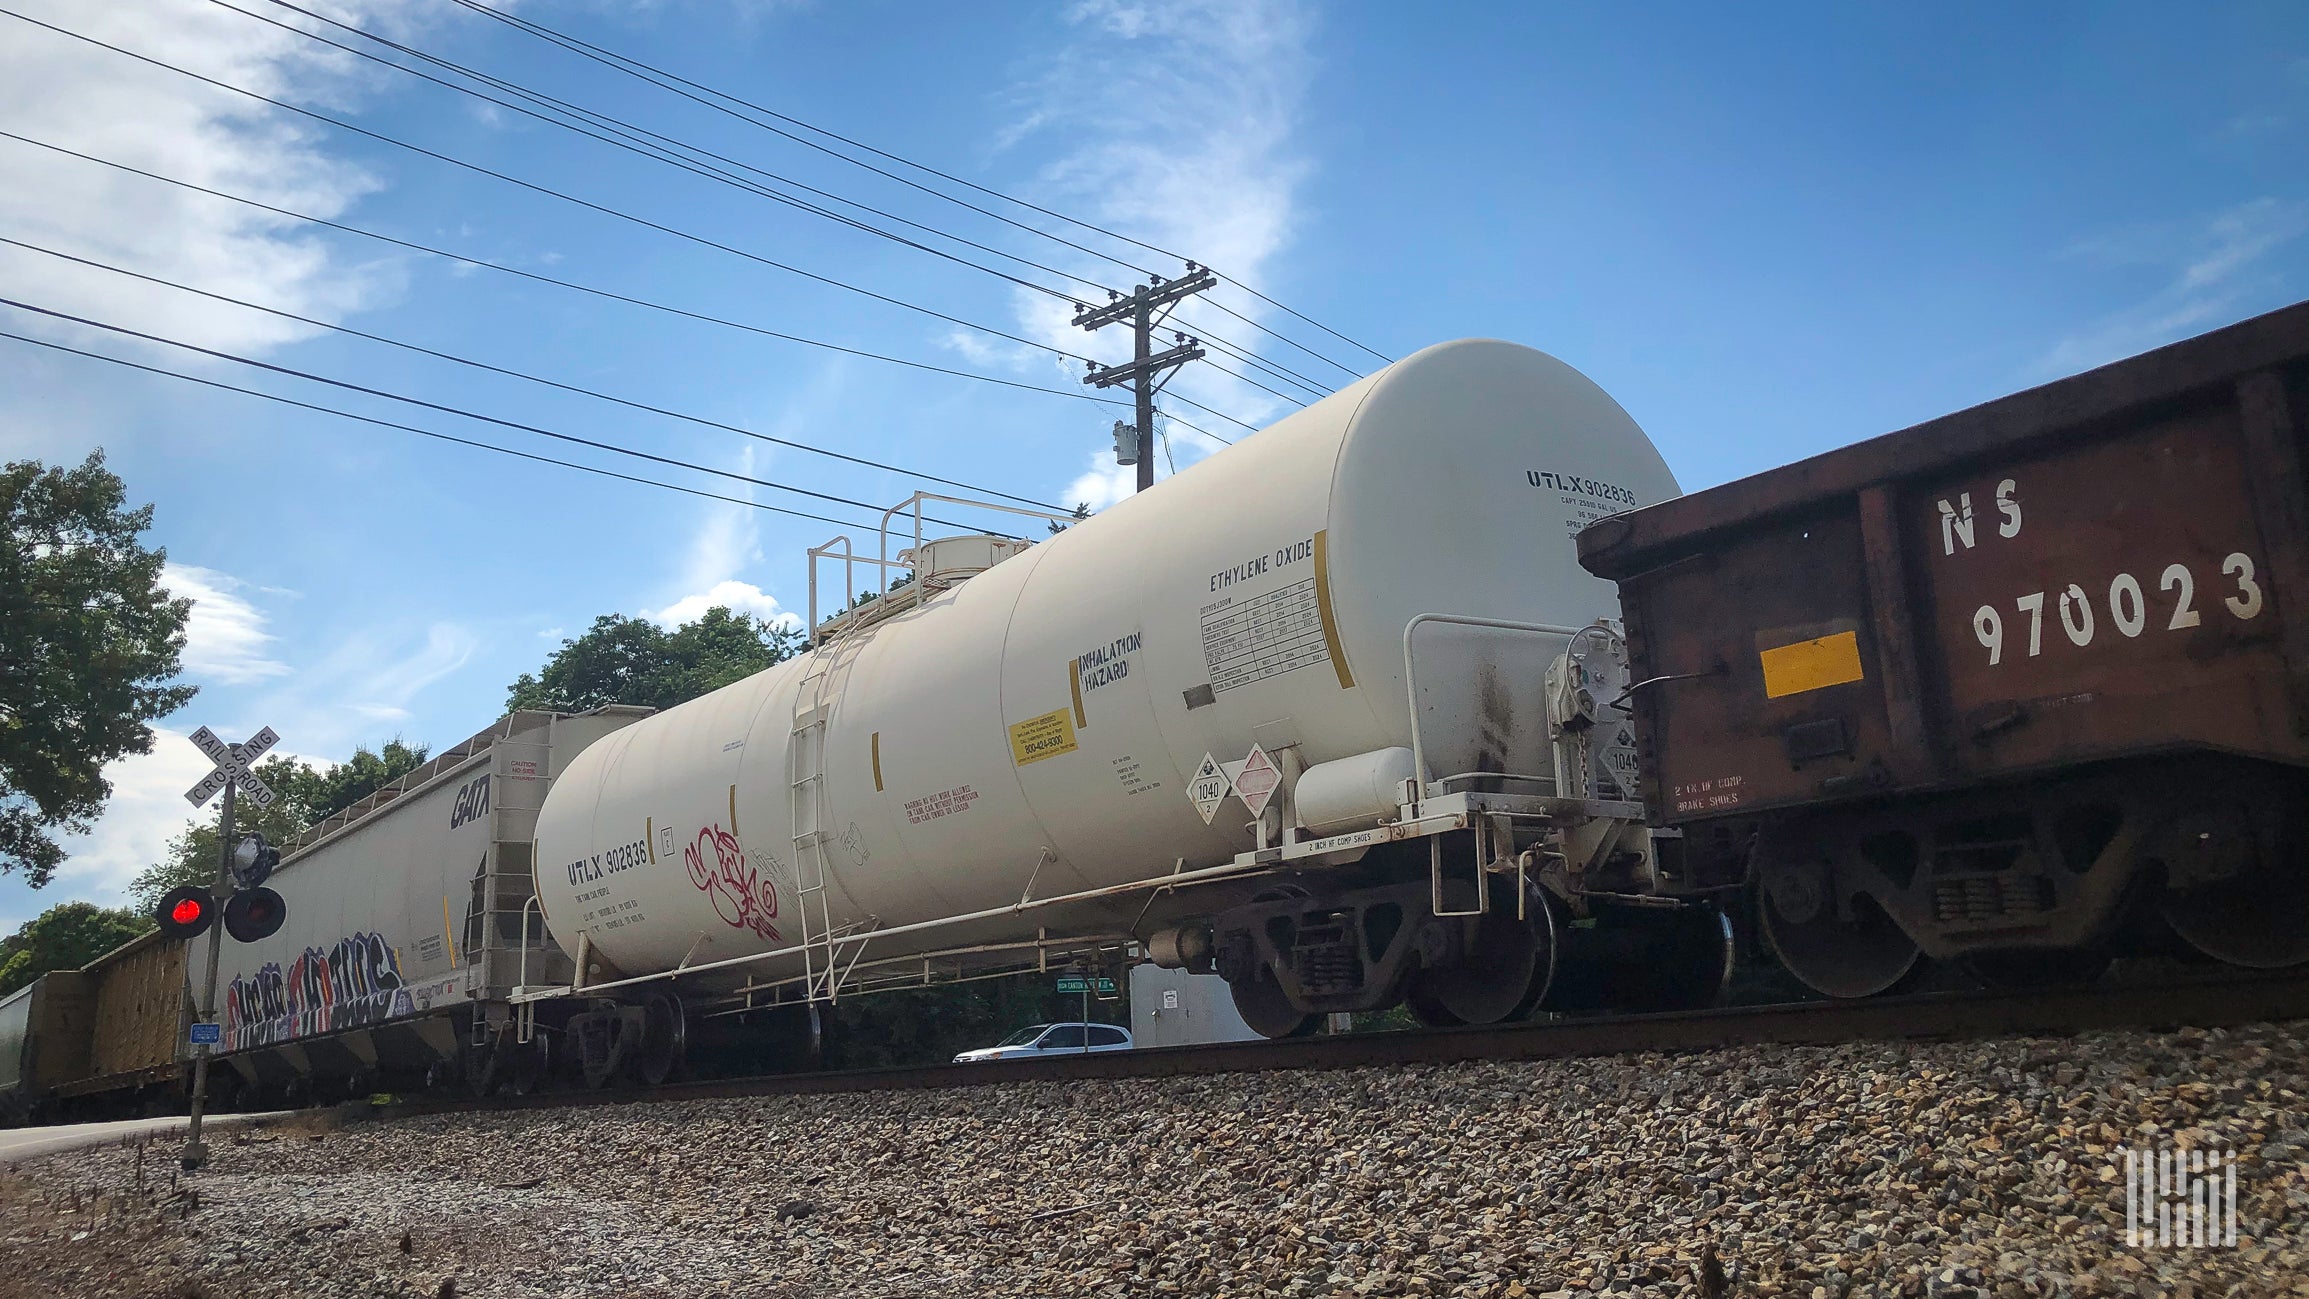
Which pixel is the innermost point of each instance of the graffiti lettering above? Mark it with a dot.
(356, 982)
(744, 897)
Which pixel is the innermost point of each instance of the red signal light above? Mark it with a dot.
(186, 912)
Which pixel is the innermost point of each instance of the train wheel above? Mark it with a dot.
(1686, 963)
(664, 1044)
(484, 1068)
(1424, 1008)
(1505, 972)
(527, 1067)
(2023, 971)
(2253, 908)
(1859, 957)
(1261, 1002)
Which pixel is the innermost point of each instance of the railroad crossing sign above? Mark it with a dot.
(1208, 788)
(234, 762)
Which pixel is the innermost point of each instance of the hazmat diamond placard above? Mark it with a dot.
(1208, 787)
(1258, 780)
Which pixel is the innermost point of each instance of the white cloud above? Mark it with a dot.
(738, 597)
(73, 94)
(1221, 192)
(1104, 483)
(2216, 271)
(382, 690)
(225, 639)
(727, 543)
(147, 806)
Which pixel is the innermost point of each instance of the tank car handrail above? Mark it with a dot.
(914, 503)
(1202, 875)
(850, 561)
(522, 974)
(1411, 677)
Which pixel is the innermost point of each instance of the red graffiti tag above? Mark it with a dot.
(743, 896)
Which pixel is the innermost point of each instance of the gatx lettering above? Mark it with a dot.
(472, 802)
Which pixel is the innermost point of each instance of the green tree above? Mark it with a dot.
(621, 660)
(306, 796)
(88, 640)
(64, 937)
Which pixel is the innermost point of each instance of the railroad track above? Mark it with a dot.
(2211, 1003)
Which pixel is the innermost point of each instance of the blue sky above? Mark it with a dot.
(1767, 233)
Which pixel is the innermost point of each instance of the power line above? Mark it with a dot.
(1383, 357)
(422, 432)
(584, 203)
(521, 374)
(611, 295)
(548, 190)
(658, 147)
(1280, 373)
(664, 153)
(350, 386)
(650, 73)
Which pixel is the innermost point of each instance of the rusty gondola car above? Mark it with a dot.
(2021, 687)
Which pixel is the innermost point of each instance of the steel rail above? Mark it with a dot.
(2211, 1003)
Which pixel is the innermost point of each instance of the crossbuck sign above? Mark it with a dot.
(234, 762)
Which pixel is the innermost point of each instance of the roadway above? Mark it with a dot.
(30, 1143)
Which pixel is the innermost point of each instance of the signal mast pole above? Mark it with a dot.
(1146, 365)
(196, 1154)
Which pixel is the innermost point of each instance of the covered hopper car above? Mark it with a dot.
(411, 923)
(2021, 687)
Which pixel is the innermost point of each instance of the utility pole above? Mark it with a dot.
(1146, 364)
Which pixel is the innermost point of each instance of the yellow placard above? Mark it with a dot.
(1042, 737)
(1811, 665)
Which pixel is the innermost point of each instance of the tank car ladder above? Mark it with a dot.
(806, 774)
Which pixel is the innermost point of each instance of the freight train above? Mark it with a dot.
(1338, 715)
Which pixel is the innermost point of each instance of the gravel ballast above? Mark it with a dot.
(1977, 1168)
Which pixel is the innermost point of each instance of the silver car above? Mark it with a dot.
(1037, 1040)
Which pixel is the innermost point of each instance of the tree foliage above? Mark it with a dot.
(621, 660)
(64, 937)
(88, 641)
(307, 796)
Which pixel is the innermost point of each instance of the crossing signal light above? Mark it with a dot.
(254, 914)
(187, 911)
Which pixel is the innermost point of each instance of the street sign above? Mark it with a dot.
(234, 762)
(1208, 788)
(208, 1035)
(1079, 983)
(1258, 780)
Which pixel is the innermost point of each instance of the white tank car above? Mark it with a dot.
(1037, 725)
